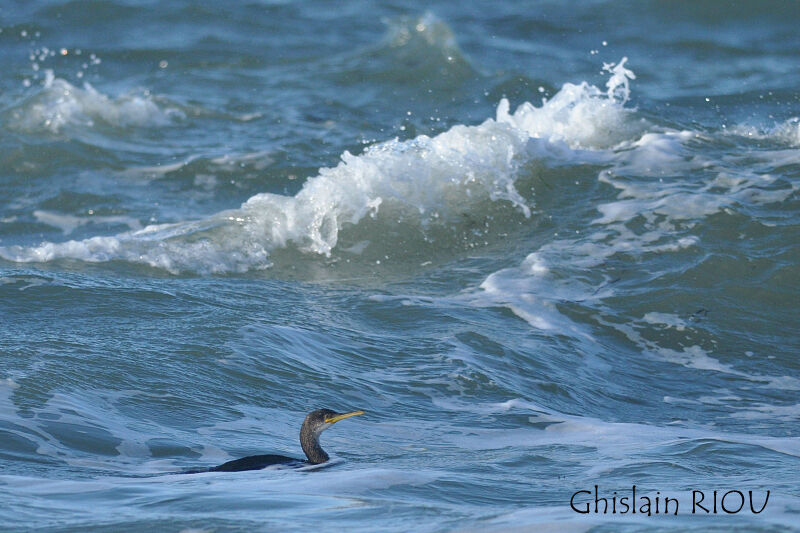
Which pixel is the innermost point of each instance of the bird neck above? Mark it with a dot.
(309, 440)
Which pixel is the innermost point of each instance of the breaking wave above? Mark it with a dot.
(59, 107)
(427, 190)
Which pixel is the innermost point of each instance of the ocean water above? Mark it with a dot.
(546, 246)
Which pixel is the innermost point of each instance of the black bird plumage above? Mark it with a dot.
(314, 424)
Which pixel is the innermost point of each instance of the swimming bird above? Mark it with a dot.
(314, 424)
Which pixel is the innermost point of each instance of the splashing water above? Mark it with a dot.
(60, 108)
(427, 183)
(618, 84)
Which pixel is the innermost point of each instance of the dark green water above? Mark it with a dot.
(545, 246)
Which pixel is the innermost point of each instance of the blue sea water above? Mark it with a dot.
(546, 246)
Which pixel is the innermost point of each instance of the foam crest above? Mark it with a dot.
(427, 178)
(59, 105)
(426, 191)
(582, 116)
(786, 132)
(789, 131)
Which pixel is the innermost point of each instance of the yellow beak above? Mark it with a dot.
(334, 419)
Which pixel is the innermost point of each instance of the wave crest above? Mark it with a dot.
(59, 106)
(459, 186)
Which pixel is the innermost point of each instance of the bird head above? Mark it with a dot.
(321, 419)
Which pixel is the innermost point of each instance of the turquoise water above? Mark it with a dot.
(545, 246)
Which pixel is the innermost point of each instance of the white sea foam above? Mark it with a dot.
(434, 189)
(423, 185)
(786, 132)
(665, 204)
(59, 105)
(789, 131)
(582, 116)
(531, 292)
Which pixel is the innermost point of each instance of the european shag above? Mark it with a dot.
(315, 423)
